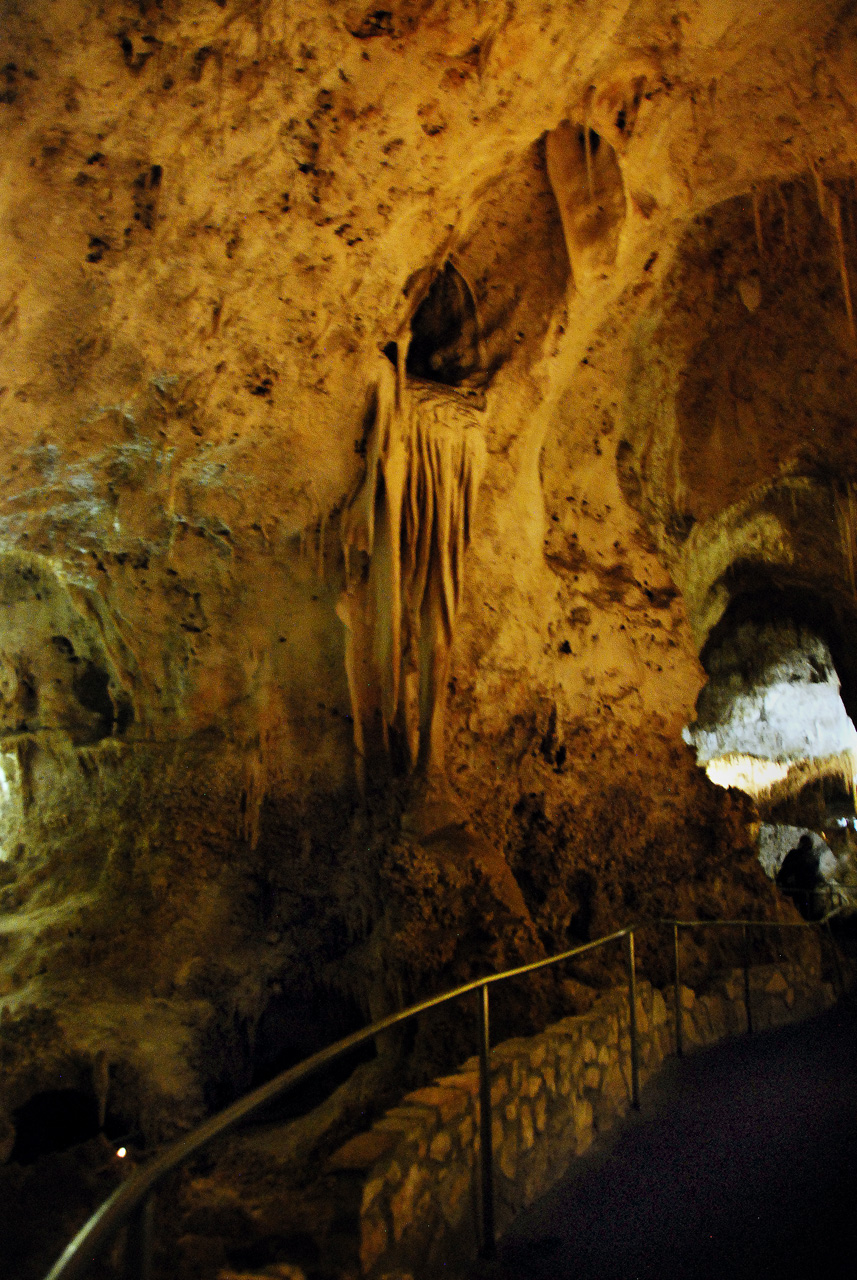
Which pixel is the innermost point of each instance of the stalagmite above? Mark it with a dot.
(830, 206)
(405, 536)
(820, 189)
(846, 205)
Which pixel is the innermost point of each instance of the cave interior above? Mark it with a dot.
(428, 532)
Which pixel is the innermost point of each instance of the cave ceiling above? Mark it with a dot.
(396, 393)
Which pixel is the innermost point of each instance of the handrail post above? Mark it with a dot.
(679, 1029)
(488, 1244)
(745, 929)
(140, 1240)
(632, 1010)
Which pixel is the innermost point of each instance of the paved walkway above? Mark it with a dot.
(741, 1164)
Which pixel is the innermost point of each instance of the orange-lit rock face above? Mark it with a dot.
(216, 218)
(755, 339)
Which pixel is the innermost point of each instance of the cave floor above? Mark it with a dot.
(742, 1163)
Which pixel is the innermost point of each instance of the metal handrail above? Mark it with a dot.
(133, 1201)
(748, 924)
(133, 1195)
(745, 926)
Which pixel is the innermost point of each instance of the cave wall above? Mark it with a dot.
(740, 442)
(220, 220)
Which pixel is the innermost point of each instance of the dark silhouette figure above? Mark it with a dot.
(800, 877)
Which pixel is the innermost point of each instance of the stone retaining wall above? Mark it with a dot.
(551, 1095)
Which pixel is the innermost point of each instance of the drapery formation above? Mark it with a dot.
(405, 535)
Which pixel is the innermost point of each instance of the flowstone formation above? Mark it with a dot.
(396, 405)
(411, 521)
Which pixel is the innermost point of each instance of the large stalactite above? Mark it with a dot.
(405, 536)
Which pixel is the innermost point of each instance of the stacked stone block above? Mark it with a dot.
(551, 1094)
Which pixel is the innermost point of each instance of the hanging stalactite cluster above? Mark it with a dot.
(783, 225)
(405, 535)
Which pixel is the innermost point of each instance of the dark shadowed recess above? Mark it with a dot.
(58, 1119)
(53, 1121)
(294, 1026)
(444, 343)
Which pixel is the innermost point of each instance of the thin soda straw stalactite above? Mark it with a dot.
(836, 218)
(784, 205)
(757, 221)
(322, 531)
(587, 144)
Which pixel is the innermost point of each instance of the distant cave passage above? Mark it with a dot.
(771, 718)
(777, 839)
(91, 687)
(445, 344)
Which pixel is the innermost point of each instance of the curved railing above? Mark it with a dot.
(132, 1203)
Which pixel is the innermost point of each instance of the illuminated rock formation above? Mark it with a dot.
(405, 536)
(772, 705)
